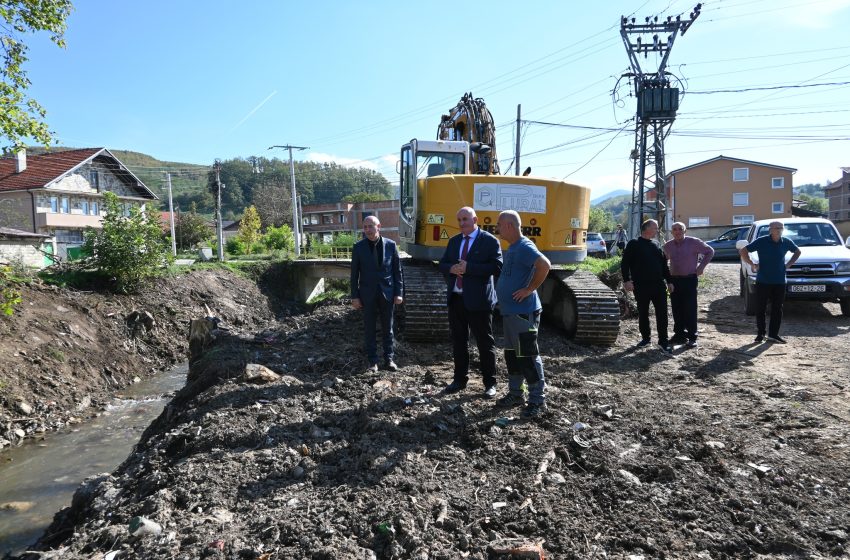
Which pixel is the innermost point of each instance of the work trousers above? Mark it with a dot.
(523, 368)
(776, 294)
(683, 301)
(461, 321)
(381, 309)
(656, 293)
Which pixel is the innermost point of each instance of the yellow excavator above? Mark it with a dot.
(460, 168)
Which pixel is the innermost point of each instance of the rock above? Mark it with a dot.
(556, 478)
(17, 506)
(715, 445)
(141, 526)
(629, 477)
(24, 408)
(259, 374)
(19, 433)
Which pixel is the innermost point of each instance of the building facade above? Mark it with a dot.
(729, 191)
(323, 221)
(60, 194)
(838, 195)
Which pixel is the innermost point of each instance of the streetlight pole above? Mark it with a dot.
(295, 224)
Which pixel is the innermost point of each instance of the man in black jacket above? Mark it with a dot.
(469, 263)
(645, 272)
(376, 287)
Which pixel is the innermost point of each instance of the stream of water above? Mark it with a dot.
(42, 477)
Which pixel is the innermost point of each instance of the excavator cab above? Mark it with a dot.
(422, 159)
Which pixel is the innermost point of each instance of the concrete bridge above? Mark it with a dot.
(311, 275)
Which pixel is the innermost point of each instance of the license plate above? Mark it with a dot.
(804, 288)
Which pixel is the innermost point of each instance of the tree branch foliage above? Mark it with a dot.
(20, 116)
(129, 248)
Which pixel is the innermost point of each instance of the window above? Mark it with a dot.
(314, 219)
(327, 219)
(698, 221)
(741, 174)
(84, 206)
(778, 208)
(341, 218)
(742, 219)
(64, 205)
(741, 199)
(94, 179)
(305, 220)
(54, 204)
(95, 208)
(778, 182)
(364, 215)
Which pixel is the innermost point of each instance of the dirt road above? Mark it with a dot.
(731, 450)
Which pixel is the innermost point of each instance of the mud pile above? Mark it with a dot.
(700, 455)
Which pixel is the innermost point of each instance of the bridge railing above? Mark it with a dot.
(327, 252)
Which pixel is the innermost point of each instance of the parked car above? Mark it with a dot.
(596, 246)
(725, 244)
(822, 272)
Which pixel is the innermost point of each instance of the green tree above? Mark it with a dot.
(128, 248)
(364, 197)
(600, 220)
(815, 203)
(249, 227)
(279, 238)
(20, 116)
(191, 229)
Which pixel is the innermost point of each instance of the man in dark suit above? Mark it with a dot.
(469, 263)
(376, 287)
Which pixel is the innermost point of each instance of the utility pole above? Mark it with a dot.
(220, 229)
(171, 214)
(295, 225)
(657, 103)
(518, 125)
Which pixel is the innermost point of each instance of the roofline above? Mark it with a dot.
(99, 152)
(791, 169)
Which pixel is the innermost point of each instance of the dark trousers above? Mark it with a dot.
(776, 294)
(657, 295)
(381, 309)
(461, 321)
(683, 301)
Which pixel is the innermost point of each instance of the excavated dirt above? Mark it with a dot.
(731, 450)
(65, 353)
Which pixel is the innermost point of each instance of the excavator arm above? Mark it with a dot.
(471, 121)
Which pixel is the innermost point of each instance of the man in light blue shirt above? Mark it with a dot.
(524, 269)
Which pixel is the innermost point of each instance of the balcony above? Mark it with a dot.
(48, 220)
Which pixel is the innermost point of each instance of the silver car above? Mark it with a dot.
(596, 246)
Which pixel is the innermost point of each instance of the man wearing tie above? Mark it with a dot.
(469, 263)
(376, 286)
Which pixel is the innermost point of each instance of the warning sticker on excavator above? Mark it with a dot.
(444, 234)
(436, 218)
(575, 222)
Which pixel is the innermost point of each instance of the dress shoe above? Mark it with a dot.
(490, 392)
(678, 339)
(776, 338)
(643, 342)
(759, 339)
(390, 366)
(454, 387)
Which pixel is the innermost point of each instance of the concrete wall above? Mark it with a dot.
(23, 250)
(707, 191)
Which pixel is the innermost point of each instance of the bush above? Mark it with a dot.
(234, 246)
(279, 238)
(9, 295)
(127, 249)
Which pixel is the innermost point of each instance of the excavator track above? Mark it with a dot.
(425, 314)
(582, 305)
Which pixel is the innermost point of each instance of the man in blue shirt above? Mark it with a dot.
(524, 269)
(770, 277)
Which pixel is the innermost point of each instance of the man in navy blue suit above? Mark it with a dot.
(376, 287)
(469, 263)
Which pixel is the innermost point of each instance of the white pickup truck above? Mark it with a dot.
(822, 273)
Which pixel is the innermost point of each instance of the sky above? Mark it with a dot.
(764, 80)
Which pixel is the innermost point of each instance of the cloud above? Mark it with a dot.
(384, 165)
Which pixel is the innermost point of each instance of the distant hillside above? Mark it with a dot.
(606, 196)
(617, 206)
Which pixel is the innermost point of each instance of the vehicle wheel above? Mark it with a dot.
(749, 302)
(845, 307)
